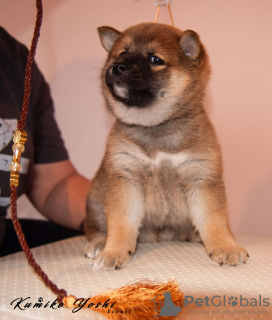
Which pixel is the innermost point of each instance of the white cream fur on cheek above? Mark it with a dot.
(120, 91)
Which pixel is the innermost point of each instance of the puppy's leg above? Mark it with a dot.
(95, 225)
(209, 215)
(124, 210)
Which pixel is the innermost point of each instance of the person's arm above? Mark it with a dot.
(59, 193)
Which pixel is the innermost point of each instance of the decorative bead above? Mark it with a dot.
(19, 138)
(17, 152)
(18, 147)
(15, 167)
(14, 179)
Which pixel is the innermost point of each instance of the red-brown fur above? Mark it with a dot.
(161, 175)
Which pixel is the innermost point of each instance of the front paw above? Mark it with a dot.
(94, 247)
(232, 255)
(111, 260)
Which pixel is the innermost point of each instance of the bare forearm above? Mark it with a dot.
(59, 193)
(66, 203)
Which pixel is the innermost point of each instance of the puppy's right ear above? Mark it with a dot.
(108, 36)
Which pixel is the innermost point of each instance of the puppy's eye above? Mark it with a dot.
(156, 61)
(123, 52)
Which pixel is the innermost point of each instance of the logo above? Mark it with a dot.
(226, 305)
(26, 303)
(222, 301)
(233, 301)
(167, 307)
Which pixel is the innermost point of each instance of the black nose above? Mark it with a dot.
(119, 68)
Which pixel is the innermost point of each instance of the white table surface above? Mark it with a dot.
(188, 263)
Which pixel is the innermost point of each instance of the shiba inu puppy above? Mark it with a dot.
(161, 175)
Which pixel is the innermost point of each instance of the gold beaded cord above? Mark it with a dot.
(138, 297)
(19, 139)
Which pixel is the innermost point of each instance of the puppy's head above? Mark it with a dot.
(153, 72)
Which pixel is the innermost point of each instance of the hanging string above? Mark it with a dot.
(61, 293)
(19, 139)
(161, 3)
(157, 15)
(169, 10)
(27, 88)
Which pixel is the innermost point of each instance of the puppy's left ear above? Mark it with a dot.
(108, 36)
(190, 44)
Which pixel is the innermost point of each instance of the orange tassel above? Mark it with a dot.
(140, 300)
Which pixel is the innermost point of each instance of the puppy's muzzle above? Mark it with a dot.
(125, 74)
(129, 82)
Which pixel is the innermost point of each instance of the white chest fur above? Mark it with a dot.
(132, 157)
(175, 159)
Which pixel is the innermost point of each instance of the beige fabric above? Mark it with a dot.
(198, 275)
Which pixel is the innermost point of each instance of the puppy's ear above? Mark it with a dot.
(190, 44)
(108, 36)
